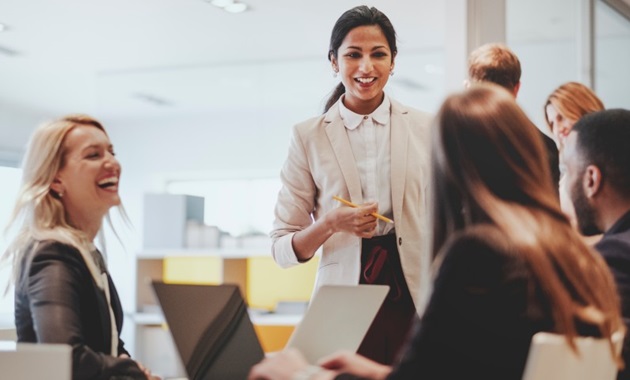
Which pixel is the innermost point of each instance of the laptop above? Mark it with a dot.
(337, 318)
(216, 339)
(27, 361)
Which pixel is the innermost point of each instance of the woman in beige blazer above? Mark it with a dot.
(371, 150)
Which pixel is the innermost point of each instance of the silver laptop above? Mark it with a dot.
(337, 319)
(216, 339)
(27, 361)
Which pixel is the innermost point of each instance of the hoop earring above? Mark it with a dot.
(391, 73)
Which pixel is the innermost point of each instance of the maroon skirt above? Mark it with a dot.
(380, 264)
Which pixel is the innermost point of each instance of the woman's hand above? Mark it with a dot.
(355, 364)
(357, 221)
(284, 366)
(146, 371)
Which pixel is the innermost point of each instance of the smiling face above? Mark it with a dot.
(560, 124)
(364, 61)
(88, 178)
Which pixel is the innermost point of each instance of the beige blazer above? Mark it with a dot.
(320, 164)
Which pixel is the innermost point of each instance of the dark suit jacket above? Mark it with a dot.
(57, 301)
(552, 156)
(485, 307)
(615, 248)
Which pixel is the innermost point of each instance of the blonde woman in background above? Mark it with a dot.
(566, 105)
(63, 291)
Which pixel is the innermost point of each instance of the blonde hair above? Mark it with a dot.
(573, 100)
(488, 161)
(39, 207)
(495, 63)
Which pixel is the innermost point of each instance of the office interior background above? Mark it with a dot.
(201, 101)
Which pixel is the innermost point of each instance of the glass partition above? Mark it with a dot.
(612, 56)
(544, 36)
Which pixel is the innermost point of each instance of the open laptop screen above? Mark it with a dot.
(211, 329)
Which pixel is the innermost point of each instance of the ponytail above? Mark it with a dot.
(336, 94)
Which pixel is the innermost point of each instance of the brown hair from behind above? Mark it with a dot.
(495, 63)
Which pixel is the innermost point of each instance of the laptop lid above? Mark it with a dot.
(27, 361)
(337, 318)
(211, 328)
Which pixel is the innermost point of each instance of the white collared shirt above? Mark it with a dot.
(369, 137)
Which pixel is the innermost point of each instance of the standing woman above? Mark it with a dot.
(63, 291)
(373, 151)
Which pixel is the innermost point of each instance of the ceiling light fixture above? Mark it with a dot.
(231, 6)
(221, 3)
(235, 8)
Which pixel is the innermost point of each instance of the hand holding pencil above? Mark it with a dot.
(354, 205)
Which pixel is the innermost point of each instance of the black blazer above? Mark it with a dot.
(615, 249)
(485, 307)
(57, 301)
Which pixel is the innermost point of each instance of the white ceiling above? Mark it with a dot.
(106, 57)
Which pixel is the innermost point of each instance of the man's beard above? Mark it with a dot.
(584, 212)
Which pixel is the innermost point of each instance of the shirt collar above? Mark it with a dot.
(621, 225)
(352, 120)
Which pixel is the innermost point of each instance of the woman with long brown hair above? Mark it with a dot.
(507, 262)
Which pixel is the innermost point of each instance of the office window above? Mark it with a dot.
(237, 206)
(612, 56)
(10, 180)
(544, 36)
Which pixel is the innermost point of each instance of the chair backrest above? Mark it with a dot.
(551, 358)
(8, 334)
(27, 361)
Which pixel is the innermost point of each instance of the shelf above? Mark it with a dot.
(226, 253)
(266, 319)
(147, 319)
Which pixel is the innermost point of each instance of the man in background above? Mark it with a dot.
(597, 162)
(498, 64)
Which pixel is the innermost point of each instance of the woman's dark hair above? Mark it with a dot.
(355, 17)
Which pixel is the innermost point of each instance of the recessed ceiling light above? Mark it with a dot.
(235, 8)
(221, 3)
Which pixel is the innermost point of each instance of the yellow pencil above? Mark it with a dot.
(348, 203)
